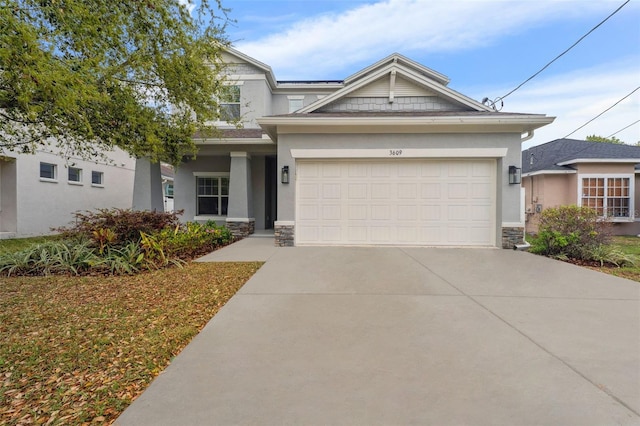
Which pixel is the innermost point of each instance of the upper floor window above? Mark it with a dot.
(48, 171)
(230, 103)
(75, 174)
(610, 195)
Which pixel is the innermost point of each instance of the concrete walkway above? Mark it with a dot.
(396, 336)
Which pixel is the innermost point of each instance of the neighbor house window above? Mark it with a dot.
(48, 171)
(230, 103)
(610, 196)
(97, 178)
(212, 195)
(75, 174)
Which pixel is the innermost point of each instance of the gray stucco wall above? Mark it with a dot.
(185, 184)
(508, 196)
(8, 187)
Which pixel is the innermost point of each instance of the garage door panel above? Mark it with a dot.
(308, 212)
(310, 191)
(331, 233)
(458, 191)
(407, 191)
(332, 170)
(380, 191)
(357, 212)
(404, 202)
(357, 191)
(330, 212)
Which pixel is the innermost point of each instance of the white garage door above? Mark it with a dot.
(396, 202)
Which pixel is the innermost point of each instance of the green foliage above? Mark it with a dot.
(570, 231)
(118, 242)
(194, 239)
(596, 138)
(607, 255)
(53, 257)
(118, 226)
(98, 74)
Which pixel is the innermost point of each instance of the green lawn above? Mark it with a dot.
(628, 245)
(17, 244)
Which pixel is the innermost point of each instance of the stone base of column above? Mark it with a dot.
(284, 233)
(512, 236)
(241, 227)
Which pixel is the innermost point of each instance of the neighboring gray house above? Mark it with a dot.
(388, 156)
(604, 176)
(41, 191)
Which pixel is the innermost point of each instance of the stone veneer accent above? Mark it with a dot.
(284, 235)
(511, 236)
(242, 229)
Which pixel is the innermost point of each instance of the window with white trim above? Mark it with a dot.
(74, 175)
(48, 171)
(610, 195)
(97, 178)
(212, 194)
(230, 103)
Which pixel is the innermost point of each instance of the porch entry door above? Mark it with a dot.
(396, 202)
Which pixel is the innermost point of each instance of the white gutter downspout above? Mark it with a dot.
(525, 245)
(528, 136)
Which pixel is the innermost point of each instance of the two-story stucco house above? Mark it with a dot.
(388, 156)
(42, 191)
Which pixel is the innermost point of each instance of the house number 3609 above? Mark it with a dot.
(395, 152)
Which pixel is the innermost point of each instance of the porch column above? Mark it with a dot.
(240, 218)
(147, 186)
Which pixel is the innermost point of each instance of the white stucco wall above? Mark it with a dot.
(41, 204)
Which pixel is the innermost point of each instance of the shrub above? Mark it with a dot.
(53, 257)
(193, 239)
(570, 231)
(118, 227)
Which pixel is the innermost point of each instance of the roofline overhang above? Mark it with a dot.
(308, 123)
(600, 160)
(549, 172)
(433, 85)
(233, 141)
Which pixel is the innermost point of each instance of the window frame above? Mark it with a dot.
(98, 173)
(54, 172)
(606, 206)
(219, 196)
(71, 181)
(224, 102)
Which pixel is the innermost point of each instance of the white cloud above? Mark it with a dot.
(329, 43)
(577, 97)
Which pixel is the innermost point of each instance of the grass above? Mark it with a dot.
(17, 244)
(628, 245)
(77, 350)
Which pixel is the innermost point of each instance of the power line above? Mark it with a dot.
(501, 98)
(624, 128)
(629, 94)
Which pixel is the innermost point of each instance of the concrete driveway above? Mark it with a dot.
(396, 336)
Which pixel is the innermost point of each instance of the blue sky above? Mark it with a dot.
(486, 48)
